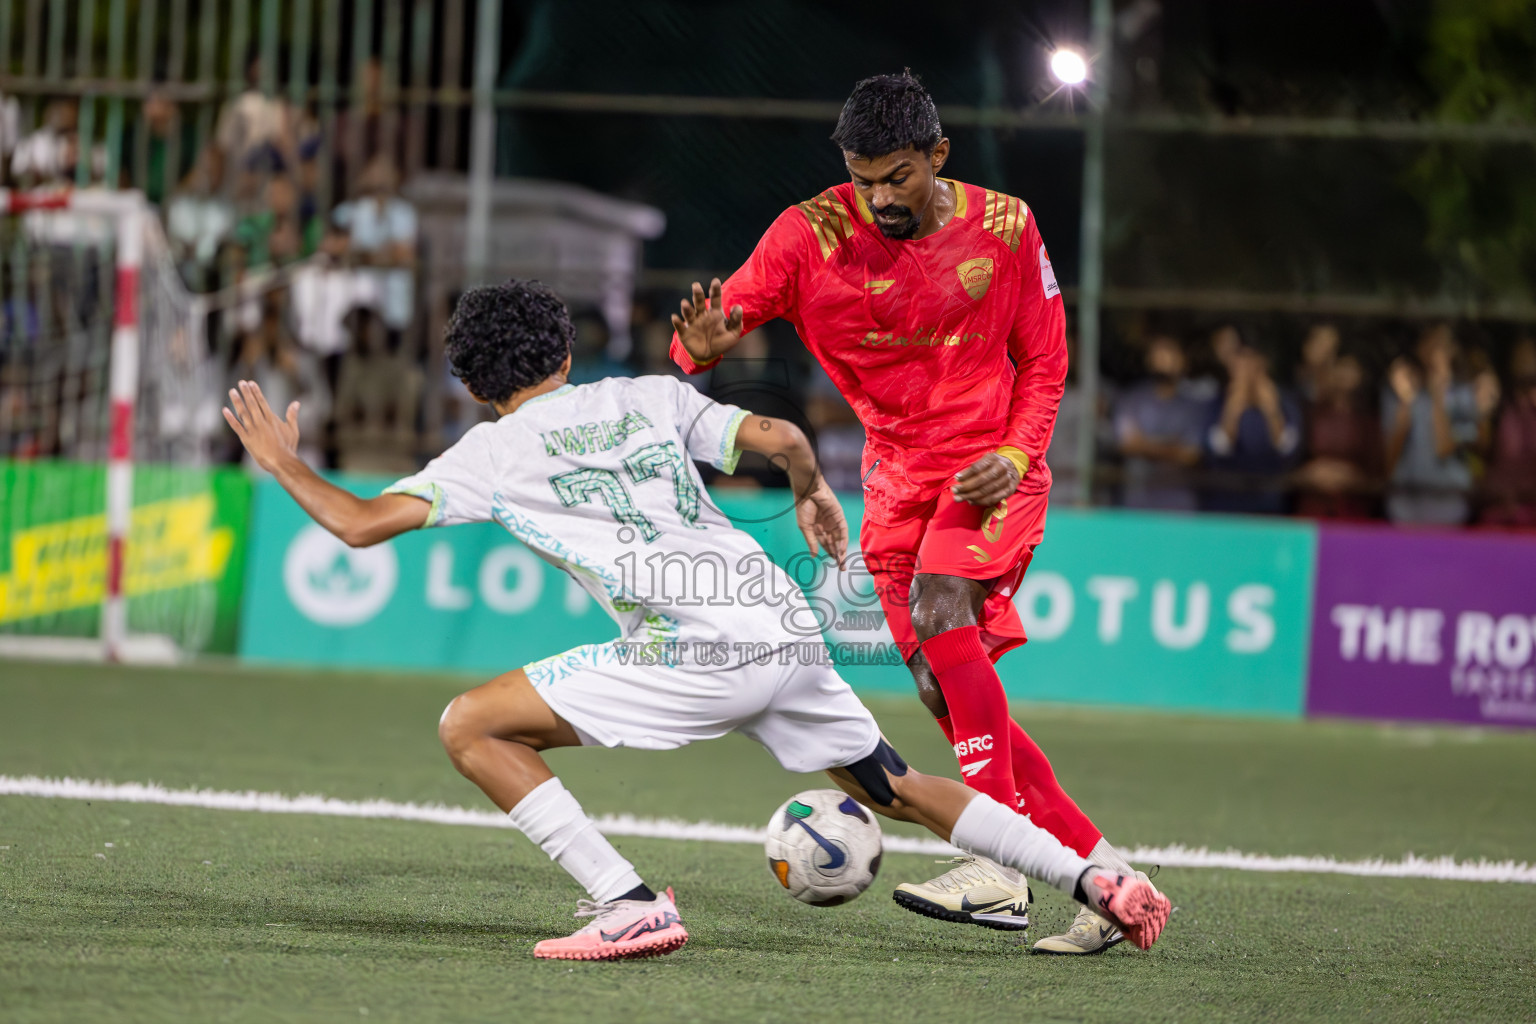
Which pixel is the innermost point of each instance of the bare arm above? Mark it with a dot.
(1135, 443)
(1398, 438)
(817, 510)
(273, 443)
(1445, 440)
(1239, 396)
(1404, 389)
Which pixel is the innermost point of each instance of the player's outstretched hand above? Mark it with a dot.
(986, 481)
(820, 517)
(268, 438)
(703, 328)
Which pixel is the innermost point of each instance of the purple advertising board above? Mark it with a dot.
(1427, 626)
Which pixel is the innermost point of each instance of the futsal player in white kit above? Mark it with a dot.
(596, 479)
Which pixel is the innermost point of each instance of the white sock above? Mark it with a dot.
(552, 818)
(991, 830)
(1106, 856)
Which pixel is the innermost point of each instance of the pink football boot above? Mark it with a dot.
(1139, 909)
(621, 930)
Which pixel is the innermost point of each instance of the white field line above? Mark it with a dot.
(1447, 868)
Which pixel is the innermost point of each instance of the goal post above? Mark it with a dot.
(105, 362)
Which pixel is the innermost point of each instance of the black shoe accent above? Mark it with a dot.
(641, 892)
(918, 905)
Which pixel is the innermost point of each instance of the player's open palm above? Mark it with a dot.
(268, 438)
(703, 327)
(821, 520)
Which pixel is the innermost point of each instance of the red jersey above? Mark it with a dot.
(946, 347)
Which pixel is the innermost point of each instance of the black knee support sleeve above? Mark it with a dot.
(870, 772)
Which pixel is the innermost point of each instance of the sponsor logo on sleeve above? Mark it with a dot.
(1048, 276)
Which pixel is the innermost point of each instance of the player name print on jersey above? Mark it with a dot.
(598, 436)
(925, 337)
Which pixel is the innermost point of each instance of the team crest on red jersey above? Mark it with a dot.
(975, 276)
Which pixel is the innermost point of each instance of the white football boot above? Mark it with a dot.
(975, 891)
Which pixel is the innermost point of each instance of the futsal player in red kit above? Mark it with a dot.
(932, 306)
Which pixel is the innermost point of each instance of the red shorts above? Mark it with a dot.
(955, 538)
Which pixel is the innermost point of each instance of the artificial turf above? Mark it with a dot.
(202, 915)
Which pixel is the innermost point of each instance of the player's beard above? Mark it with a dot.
(901, 229)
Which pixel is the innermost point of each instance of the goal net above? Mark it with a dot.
(117, 538)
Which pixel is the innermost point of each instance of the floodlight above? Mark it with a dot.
(1069, 67)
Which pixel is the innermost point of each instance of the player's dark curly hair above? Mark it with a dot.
(886, 113)
(507, 337)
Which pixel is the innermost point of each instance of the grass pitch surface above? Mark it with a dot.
(204, 915)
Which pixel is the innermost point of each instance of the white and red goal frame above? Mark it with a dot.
(131, 217)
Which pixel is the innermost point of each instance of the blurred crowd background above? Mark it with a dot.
(1319, 233)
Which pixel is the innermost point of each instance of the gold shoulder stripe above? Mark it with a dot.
(829, 222)
(1006, 218)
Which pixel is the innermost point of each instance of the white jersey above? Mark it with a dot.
(599, 481)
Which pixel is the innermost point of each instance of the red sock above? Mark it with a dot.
(947, 729)
(1047, 804)
(978, 711)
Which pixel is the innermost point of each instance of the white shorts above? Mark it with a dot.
(805, 715)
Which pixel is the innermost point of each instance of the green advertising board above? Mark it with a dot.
(463, 597)
(1124, 608)
(1199, 612)
(185, 551)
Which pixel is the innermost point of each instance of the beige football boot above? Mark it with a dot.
(1090, 933)
(975, 891)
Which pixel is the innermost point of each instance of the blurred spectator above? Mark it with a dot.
(324, 293)
(1485, 396)
(47, 156)
(1226, 346)
(309, 142)
(1343, 439)
(1512, 469)
(1319, 352)
(285, 373)
(1252, 438)
(1158, 428)
(378, 392)
(197, 218)
(1066, 486)
(369, 128)
(1428, 420)
(10, 127)
(167, 139)
(270, 233)
(1216, 363)
(251, 131)
(380, 229)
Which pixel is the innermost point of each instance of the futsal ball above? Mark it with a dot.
(823, 847)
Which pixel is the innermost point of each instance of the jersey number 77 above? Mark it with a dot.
(581, 486)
